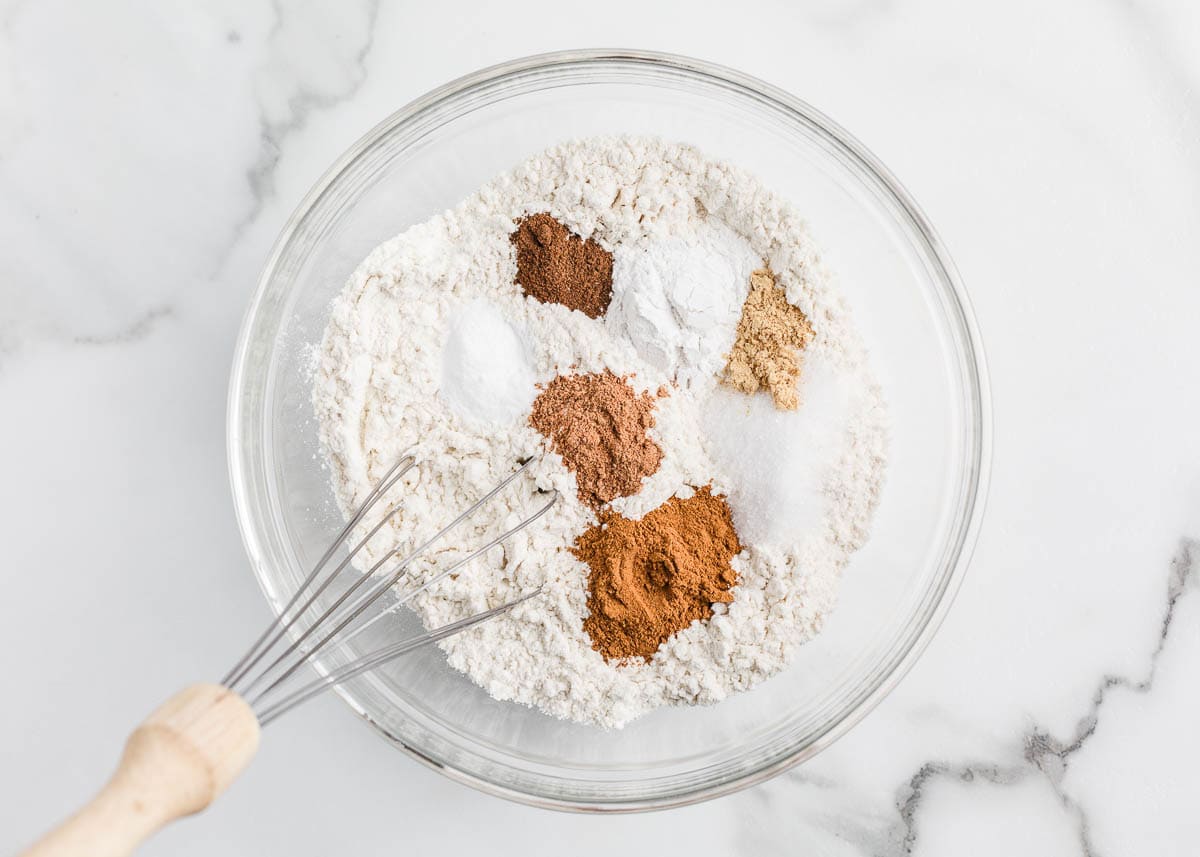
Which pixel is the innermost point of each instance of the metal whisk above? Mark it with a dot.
(263, 690)
(193, 746)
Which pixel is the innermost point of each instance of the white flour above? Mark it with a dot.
(384, 379)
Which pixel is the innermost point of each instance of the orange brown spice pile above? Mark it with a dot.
(770, 335)
(599, 425)
(652, 578)
(556, 266)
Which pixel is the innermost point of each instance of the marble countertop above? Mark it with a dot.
(149, 153)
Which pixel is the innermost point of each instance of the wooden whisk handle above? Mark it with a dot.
(175, 763)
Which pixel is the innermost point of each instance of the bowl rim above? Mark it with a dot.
(958, 302)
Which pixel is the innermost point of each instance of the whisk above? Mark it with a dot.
(195, 744)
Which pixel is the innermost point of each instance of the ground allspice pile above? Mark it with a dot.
(770, 336)
(556, 266)
(652, 578)
(599, 425)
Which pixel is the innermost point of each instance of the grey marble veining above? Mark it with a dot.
(141, 327)
(304, 101)
(1044, 753)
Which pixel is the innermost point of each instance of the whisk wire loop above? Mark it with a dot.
(342, 613)
(381, 657)
(253, 655)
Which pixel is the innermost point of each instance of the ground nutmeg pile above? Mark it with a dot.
(598, 424)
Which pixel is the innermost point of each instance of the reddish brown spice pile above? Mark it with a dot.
(556, 266)
(652, 578)
(598, 424)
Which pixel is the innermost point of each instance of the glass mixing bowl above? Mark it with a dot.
(906, 298)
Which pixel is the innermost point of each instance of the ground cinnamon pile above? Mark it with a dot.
(652, 578)
(770, 335)
(556, 266)
(598, 424)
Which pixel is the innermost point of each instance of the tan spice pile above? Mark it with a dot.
(770, 335)
(652, 578)
(599, 425)
(556, 266)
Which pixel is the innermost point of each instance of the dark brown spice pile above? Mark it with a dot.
(556, 266)
(652, 578)
(598, 424)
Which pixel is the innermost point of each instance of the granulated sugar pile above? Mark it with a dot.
(656, 329)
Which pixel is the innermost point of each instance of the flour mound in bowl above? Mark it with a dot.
(434, 343)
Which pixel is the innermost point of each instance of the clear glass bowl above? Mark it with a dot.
(907, 300)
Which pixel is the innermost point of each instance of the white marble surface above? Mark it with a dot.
(150, 151)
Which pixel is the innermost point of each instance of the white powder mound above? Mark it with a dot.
(486, 372)
(395, 371)
(678, 300)
(778, 462)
